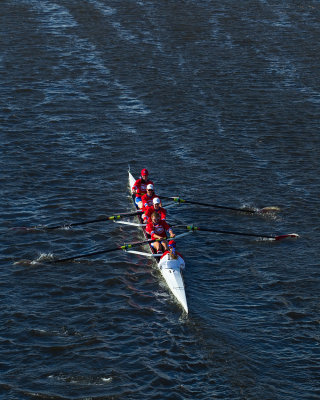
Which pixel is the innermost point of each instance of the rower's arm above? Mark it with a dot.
(171, 232)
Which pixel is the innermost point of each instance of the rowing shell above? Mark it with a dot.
(170, 269)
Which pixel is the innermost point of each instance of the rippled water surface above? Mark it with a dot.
(220, 101)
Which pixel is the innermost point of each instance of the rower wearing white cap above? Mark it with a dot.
(156, 206)
(147, 199)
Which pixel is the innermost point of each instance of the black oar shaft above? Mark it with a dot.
(196, 228)
(278, 237)
(111, 218)
(75, 224)
(179, 200)
(95, 253)
(235, 233)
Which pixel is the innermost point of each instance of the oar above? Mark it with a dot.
(111, 218)
(95, 253)
(247, 210)
(197, 228)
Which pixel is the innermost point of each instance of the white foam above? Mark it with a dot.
(104, 9)
(53, 16)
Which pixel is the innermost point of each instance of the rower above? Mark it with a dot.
(172, 254)
(147, 199)
(140, 187)
(157, 229)
(156, 206)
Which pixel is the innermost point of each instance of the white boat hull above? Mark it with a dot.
(170, 269)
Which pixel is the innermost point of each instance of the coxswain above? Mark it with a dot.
(155, 207)
(140, 187)
(172, 254)
(158, 229)
(147, 199)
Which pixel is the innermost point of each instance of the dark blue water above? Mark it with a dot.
(220, 101)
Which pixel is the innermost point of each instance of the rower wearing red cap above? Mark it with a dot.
(156, 206)
(157, 229)
(140, 187)
(172, 254)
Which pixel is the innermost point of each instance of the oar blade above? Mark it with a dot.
(288, 236)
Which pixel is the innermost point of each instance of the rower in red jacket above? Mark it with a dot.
(140, 187)
(147, 199)
(157, 229)
(155, 207)
(172, 254)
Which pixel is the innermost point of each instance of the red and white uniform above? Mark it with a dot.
(147, 201)
(140, 186)
(159, 229)
(161, 211)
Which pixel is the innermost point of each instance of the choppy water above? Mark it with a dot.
(220, 101)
